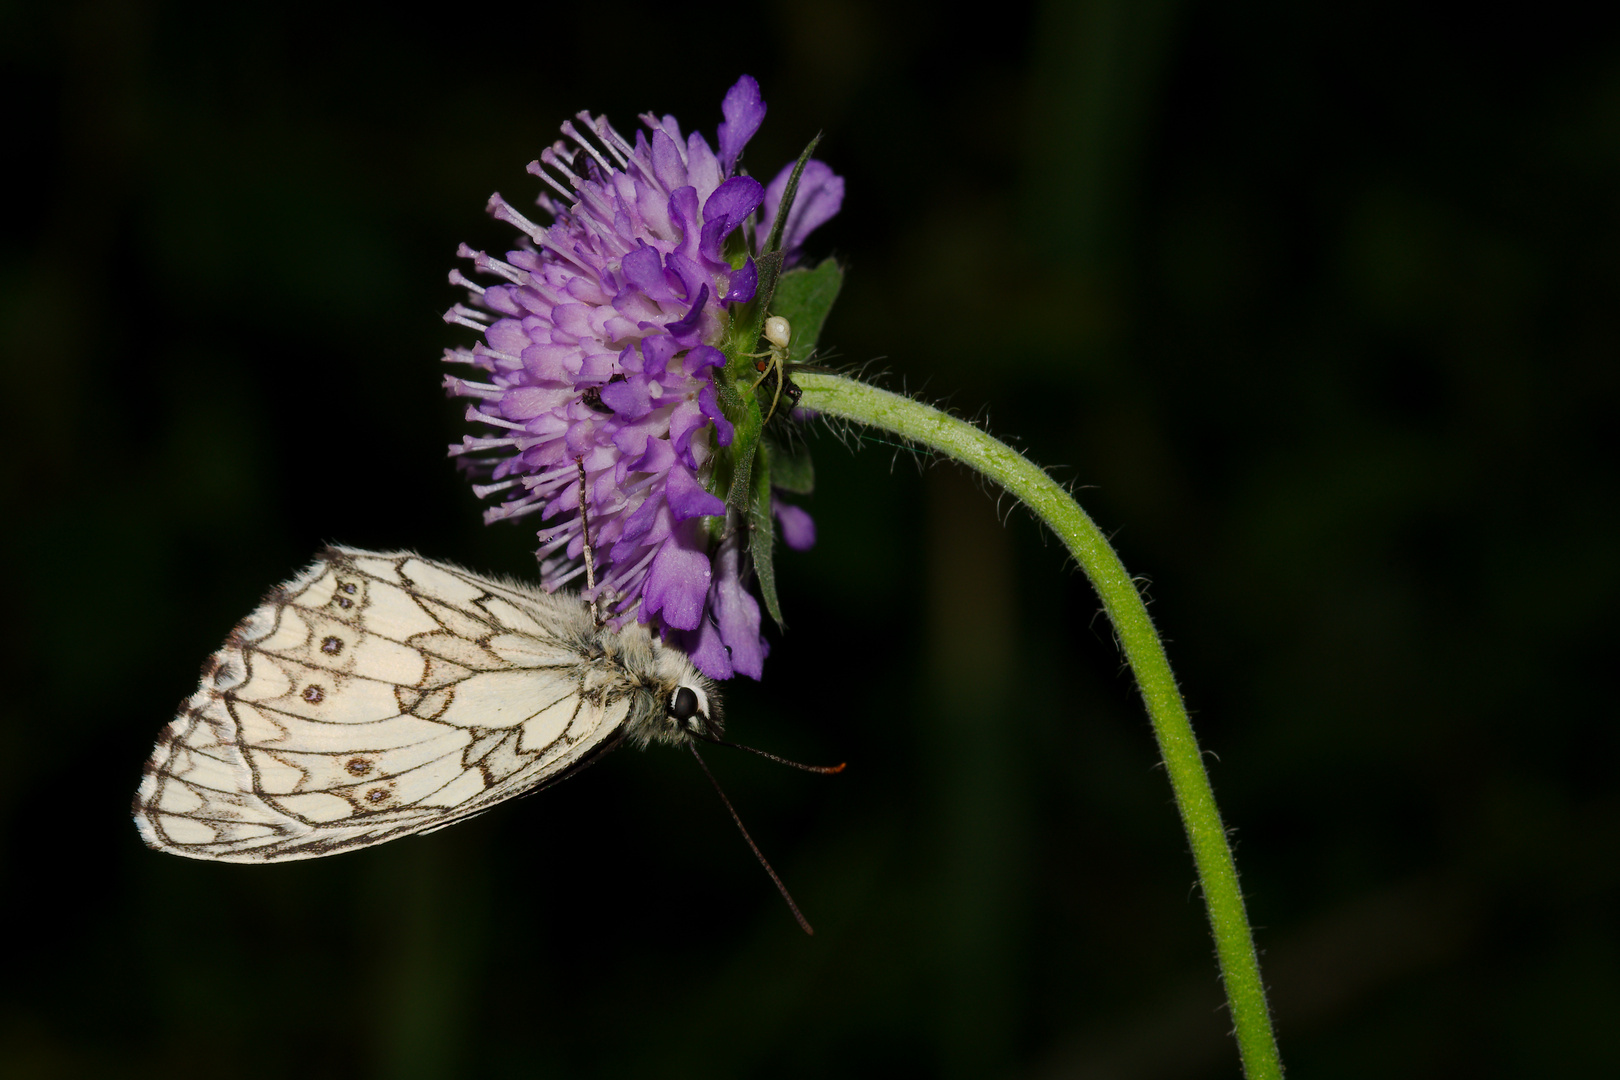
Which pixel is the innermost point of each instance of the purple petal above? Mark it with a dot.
(687, 499)
(644, 269)
(683, 423)
(691, 275)
(628, 398)
(549, 362)
(667, 163)
(710, 404)
(658, 457)
(704, 648)
(507, 336)
(656, 352)
(527, 402)
(726, 209)
(687, 326)
(637, 526)
(678, 579)
(744, 111)
(704, 356)
(821, 193)
(702, 167)
(596, 366)
(683, 214)
(798, 527)
(744, 282)
(499, 297)
(736, 611)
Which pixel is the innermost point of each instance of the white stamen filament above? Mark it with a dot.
(465, 388)
(537, 169)
(570, 576)
(483, 491)
(466, 316)
(458, 278)
(598, 126)
(505, 359)
(469, 442)
(563, 528)
(484, 264)
(501, 210)
(615, 578)
(485, 418)
(617, 144)
(515, 508)
(573, 133)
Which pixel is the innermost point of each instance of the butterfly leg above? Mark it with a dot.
(589, 552)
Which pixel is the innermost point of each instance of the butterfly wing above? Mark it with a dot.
(374, 696)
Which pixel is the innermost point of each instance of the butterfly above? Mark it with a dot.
(380, 694)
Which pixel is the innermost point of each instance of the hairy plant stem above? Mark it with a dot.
(924, 425)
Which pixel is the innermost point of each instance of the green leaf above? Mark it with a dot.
(762, 535)
(791, 467)
(803, 298)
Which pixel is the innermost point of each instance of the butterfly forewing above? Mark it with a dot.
(381, 694)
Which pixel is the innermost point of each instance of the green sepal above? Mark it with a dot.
(791, 467)
(748, 324)
(735, 391)
(803, 298)
(731, 475)
(762, 535)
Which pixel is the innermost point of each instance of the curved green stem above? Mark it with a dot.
(833, 396)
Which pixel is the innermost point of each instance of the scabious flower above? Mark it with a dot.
(600, 354)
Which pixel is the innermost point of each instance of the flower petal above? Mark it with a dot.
(678, 579)
(743, 284)
(709, 402)
(704, 648)
(820, 195)
(726, 209)
(628, 398)
(744, 111)
(704, 356)
(644, 269)
(688, 326)
(798, 527)
(736, 610)
(688, 499)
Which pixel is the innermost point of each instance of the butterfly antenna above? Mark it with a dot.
(758, 854)
(826, 770)
(589, 552)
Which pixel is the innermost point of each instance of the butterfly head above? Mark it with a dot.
(687, 711)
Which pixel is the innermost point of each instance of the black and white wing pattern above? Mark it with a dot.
(380, 694)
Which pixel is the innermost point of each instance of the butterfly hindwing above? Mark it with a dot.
(381, 694)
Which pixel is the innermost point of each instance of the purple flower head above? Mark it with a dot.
(598, 363)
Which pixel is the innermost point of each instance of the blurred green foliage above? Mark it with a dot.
(1317, 303)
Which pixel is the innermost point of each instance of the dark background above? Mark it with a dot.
(1318, 304)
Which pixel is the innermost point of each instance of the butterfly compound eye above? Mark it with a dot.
(683, 704)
